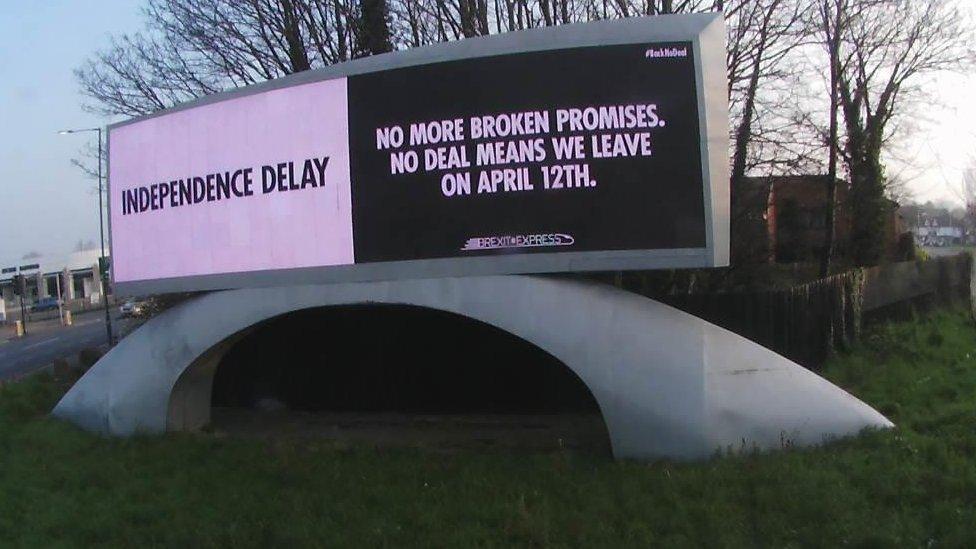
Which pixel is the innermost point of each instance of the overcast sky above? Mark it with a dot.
(47, 205)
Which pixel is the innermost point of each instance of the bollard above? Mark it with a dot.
(19, 328)
(67, 318)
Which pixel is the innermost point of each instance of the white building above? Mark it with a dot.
(73, 276)
(938, 230)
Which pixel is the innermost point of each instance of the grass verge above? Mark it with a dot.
(915, 485)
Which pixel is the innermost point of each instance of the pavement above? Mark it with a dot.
(935, 251)
(47, 340)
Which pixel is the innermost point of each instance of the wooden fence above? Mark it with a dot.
(807, 323)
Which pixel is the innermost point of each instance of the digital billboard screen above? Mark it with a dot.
(559, 151)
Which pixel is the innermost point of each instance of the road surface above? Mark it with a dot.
(48, 341)
(934, 251)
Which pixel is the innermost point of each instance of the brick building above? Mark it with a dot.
(783, 219)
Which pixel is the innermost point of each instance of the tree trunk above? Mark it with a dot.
(744, 131)
(483, 17)
(466, 12)
(375, 29)
(830, 214)
(297, 56)
(743, 134)
(414, 24)
(342, 49)
(546, 16)
(866, 196)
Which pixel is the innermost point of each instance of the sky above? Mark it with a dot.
(933, 156)
(47, 205)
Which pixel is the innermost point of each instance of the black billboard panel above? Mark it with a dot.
(580, 149)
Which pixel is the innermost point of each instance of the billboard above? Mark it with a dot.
(599, 146)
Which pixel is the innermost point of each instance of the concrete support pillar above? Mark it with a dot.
(96, 285)
(41, 286)
(67, 285)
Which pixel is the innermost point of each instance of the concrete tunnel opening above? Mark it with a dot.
(392, 375)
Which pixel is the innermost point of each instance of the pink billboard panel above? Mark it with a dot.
(285, 150)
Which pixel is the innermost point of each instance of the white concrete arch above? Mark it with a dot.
(669, 384)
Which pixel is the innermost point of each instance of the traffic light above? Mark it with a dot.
(20, 285)
(104, 264)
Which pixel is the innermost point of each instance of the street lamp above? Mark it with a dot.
(102, 271)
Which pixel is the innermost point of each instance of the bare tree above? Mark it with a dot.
(969, 190)
(876, 49)
(193, 48)
(374, 31)
(761, 35)
(830, 18)
(886, 46)
(762, 39)
(966, 191)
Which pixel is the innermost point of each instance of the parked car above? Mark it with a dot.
(46, 304)
(133, 308)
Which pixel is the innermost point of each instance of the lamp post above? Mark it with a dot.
(102, 271)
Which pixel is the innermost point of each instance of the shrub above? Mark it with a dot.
(61, 368)
(88, 357)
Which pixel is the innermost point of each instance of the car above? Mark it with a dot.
(132, 307)
(46, 304)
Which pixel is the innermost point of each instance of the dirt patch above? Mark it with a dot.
(447, 432)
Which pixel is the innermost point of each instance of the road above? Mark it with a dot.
(48, 341)
(945, 251)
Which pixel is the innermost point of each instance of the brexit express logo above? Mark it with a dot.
(518, 241)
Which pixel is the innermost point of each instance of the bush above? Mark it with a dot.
(28, 398)
(61, 368)
(921, 254)
(88, 357)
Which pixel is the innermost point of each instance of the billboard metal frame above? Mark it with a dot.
(706, 32)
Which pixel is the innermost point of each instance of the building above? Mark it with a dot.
(938, 228)
(72, 277)
(783, 219)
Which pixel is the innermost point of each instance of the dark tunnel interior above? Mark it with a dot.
(381, 358)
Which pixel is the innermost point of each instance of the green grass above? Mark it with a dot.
(913, 486)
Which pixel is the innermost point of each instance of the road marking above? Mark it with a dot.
(38, 344)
